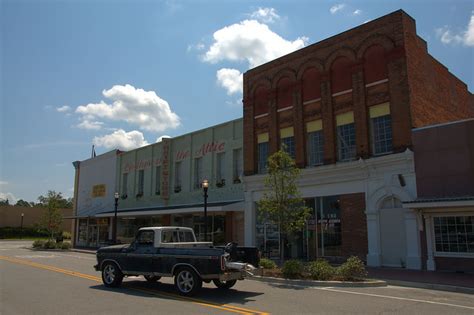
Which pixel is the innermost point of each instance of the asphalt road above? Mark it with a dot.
(49, 282)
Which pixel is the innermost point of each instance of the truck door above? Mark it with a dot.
(139, 258)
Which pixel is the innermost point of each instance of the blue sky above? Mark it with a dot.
(121, 74)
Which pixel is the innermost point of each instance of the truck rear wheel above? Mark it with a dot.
(111, 275)
(224, 284)
(187, 281)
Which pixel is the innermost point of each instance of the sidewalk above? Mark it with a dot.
(437, 280)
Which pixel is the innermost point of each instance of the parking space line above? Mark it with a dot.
(395, 297)
(225, 307)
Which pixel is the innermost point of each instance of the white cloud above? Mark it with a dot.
(465, 37)
(198, 47)
(357, 12)
(90, 125)
(265, 15)
(335, 8)
(250, 41)
(159, 139)
(11, 198)
(230, 79)
(63, 109)
(134, 106)
(121, 140)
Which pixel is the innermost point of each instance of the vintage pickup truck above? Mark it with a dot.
(174, 252)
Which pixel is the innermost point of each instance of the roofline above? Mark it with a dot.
(257, 68)
(443, 124)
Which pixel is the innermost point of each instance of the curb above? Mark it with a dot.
(430, 286)
(315, 283)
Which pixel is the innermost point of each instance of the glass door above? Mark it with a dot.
(329, 227)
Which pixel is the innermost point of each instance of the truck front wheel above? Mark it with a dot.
(111, 275)
(187, 281)
(224, 284)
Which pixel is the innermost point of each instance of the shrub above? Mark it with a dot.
(352, 269)
(66, 235)
(49, 244)
(65, 245)
(292, 268)
(267, 263)
(38, 244)
(321, 270)
(25, 232)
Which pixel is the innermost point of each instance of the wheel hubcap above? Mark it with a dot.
(109, 274)
(185, 281)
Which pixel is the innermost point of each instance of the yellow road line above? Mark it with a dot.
(225, 307)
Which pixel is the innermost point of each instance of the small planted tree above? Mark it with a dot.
(52, 217)
(282, 203)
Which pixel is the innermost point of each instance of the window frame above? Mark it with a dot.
(372, 136)
(262, 167)
(340, 140)
(311, 149)
(437, 253)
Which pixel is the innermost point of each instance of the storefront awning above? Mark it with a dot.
(421, 203)
(237, 205)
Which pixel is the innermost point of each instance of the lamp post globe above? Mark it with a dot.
(205, 187)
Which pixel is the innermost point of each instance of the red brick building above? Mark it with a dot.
(444, 163)
(344, 108)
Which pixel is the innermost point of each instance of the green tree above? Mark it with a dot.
(62, 202)
(282, 203)
(52, 217)
(22, 203)
(4, 202)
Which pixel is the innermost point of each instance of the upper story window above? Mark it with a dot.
(315, 142)
(141, 182)
(237, 169)
(124, 185)
(346, 136)
(262, 153)
(381, 129)
(288, 141)
(158, 180)
(197, 173)
(220, 169)
(177, 176)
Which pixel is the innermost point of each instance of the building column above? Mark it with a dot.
(249, 139)
(430, 262)
(374, 257)
(329, 130)
(274, 128)
(413, 255)
(249, 220)
(298, 125)
(360, 111)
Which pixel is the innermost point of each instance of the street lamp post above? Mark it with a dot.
(21, 225)
(114, 231)
(205, 187)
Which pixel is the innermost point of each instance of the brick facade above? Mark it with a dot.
(354, 225)
(377, 62)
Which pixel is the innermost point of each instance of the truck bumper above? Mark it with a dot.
(96, 267)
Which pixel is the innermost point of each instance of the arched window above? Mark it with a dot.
(284, 93)
(311, 84)
(391, 203)
(375, 64)
(341, 76)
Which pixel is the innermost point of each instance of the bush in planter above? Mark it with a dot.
(352, 269)
(38, 244)
(267, 263)
(292, 268)
(321, 270)
(49, 244)
(64, 245)
(66, 235)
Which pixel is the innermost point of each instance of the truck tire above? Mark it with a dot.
(152, 278)
(111, 275)
(187, 282)
(224, 284)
